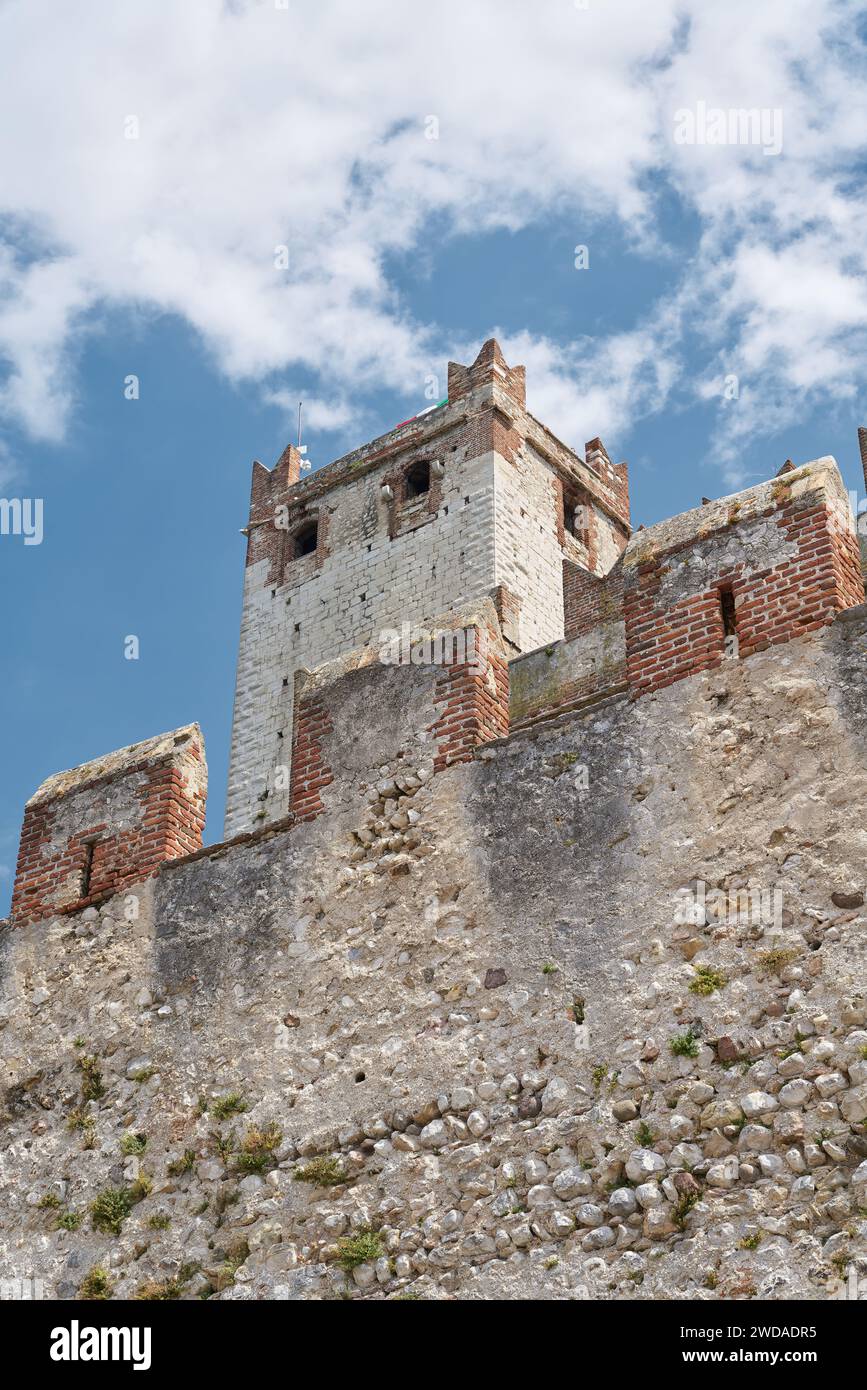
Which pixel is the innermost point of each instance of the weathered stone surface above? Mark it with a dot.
(853, 1106)
(756, 1103)
(643, 1164)
(847, 900)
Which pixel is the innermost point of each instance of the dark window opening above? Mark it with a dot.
(417, 480)
(306, 539)
(87, 869)
(359, 1076)
(729, 623)
(727, 609)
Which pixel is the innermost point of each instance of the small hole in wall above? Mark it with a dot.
(360, 1076)
(87, 868)
(369, 548)
(727, 609)
(362, 597)
(297, 627)
(285, 680)
(445, 511)
(466, 501)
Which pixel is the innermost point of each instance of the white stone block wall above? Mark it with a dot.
(529, 558)
(358, 592)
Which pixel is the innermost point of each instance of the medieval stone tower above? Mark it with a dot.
(474, 498)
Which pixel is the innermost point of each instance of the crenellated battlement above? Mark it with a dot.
(514, 1009)
(739, 575)
(720, 583)
(783, 550)
(627, 617)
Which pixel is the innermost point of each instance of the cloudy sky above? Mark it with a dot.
(242, 204)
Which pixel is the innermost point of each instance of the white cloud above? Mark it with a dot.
(591, 388)
(318, 413)
(306, 127)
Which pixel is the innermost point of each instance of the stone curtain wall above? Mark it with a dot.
(566, 675)
(496, 1061)
(454, 1026)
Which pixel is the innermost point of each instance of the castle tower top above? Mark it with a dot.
(473, 498)
(490, 390)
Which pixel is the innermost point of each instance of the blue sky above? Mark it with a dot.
(156, 256)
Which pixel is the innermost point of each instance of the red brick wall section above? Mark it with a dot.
(771, 606)
(588, 600)
(473, 706)
(490, 365)
(51, 862)
(309, 770)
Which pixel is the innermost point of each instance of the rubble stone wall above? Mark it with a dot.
(573, 1037)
